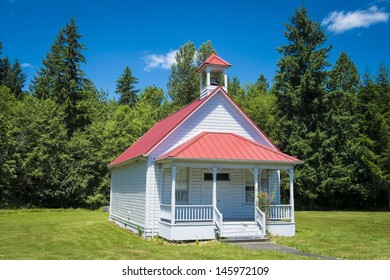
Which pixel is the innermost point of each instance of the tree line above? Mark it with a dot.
(58, 137)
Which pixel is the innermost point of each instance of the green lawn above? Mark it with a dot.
(82, 234)
(346, 235)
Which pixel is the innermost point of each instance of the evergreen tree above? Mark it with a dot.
(2, 68)
(125, 88)
(374, 125)
(61, 77)
(342, 149)
(300, 88)
(183, 84)
(262, 84)
(236, 91)
(15, 78)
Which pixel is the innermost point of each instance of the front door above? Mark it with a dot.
(224, 198)
(223, 193)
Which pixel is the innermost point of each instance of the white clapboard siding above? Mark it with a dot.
(241, 209)
(128, 192)
(154, 174)
(216, 115)
(196, 186)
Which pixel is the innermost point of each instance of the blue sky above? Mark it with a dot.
(146, 34)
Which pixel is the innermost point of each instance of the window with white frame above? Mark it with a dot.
(249, 187)
(182, 186)
(264, 186)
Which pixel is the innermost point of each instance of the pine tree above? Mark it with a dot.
(183, 84)
(2, 69)
(236, 91)
(61, 77)
(342, 149)
(125, 88)
(15, 79)
(262, 84)
(374, 125)
(300, 88)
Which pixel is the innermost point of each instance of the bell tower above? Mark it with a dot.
(213, 73)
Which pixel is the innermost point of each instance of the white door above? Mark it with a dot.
(224, 198)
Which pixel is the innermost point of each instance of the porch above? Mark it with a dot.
(197, 222)
(226, 206)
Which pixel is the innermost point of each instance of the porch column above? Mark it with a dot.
(256, 181)
(208, 76)
(291, 176)
(173, 193)
(201, 82)
(214, 187)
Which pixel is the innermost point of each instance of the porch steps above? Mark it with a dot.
(241, 230)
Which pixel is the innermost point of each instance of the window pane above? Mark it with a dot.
(182, 186)
(220, 177)
(249, 194)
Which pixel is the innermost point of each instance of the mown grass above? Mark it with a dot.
(345, 235)
(82, 234)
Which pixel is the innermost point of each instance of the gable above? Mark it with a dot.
(218, 114)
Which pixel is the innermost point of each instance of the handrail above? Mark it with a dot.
(218, 220)
(260, 219)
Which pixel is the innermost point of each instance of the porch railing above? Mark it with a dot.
(260, 220)
(194, 213)
(218, 220)
(279, 212)
(165, 212)
(187, 213)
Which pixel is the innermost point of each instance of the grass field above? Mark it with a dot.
(346, 235)
(81, 234)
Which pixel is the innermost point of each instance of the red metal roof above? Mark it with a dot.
(161, 129)
(227, 146)
(213, 59)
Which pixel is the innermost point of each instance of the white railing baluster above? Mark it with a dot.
(279, 212)
(188, 213)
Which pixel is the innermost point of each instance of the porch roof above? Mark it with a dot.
(227, 146)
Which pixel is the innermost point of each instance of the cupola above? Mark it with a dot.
(213, 73)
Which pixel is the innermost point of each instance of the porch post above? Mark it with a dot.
(215, 187)
(173, 193)
(291, 175)
(208, 76)
(256, 180)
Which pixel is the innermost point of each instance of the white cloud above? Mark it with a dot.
(26, 65)
(163, 61)
(339, 21)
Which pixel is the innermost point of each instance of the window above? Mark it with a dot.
(220, 177)
(182, 186)
(264, 186)
(249, 187)
(249, 194)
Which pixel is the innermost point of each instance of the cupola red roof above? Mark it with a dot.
(214, 59)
